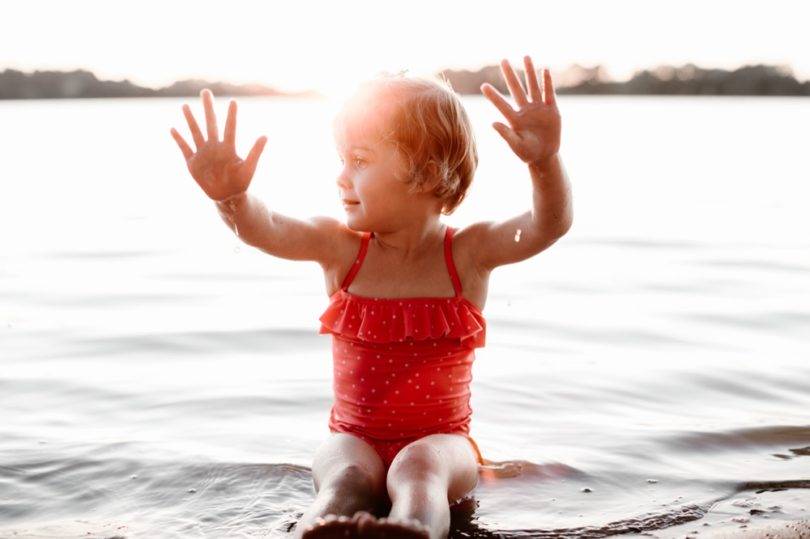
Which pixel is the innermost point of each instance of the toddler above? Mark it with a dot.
(406, 292)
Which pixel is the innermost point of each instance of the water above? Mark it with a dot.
(647, 374)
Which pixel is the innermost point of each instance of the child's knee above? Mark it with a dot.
(418, 461)
(344, 460)
(351, 477)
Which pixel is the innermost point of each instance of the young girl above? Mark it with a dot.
(406, 291)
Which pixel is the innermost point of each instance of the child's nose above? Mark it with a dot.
(343, 180)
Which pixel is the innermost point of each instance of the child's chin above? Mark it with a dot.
(356, 225)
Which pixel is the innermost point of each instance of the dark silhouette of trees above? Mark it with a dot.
(662, 80)
(80, 83)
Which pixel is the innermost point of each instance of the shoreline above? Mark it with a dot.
(798, 529)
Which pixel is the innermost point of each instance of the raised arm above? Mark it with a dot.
(534, 136)
(225, 177)
(279, 235)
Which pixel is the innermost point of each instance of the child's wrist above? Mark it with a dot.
(232, 203)
(544, 164)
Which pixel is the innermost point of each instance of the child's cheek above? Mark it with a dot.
(368, 187)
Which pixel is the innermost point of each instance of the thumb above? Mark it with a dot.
(255, 152)
(507, 133)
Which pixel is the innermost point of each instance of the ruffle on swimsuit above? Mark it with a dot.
(386, 320)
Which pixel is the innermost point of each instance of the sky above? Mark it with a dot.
(328, 45)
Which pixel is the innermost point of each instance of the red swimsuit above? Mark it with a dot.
(402, 366)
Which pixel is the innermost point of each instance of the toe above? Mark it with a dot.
(366, 522)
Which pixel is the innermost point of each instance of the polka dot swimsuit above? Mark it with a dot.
(402, 366)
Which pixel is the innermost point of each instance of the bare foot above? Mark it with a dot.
(337, 526)
(365, 525)
(330, 526)
(371, 527)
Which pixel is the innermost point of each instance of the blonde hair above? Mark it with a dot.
(427, 124)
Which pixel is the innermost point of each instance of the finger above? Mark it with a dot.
(513, 83)
(196, 134)
(253, 156)
(187, 152)
(508, 135)
(497, 99)
(549, 95)
(210, 117)
(531, 80)
(230, 125)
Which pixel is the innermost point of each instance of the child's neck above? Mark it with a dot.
(412, 242)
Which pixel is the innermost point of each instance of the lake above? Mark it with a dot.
(649, 373)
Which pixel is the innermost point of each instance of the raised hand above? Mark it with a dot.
(215, 166)
(534, 129)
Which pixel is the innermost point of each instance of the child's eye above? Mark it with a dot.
(357, 161)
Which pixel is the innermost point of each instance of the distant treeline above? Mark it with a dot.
(80, 83)
(663, 80)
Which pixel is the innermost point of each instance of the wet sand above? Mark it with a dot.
(788, 530)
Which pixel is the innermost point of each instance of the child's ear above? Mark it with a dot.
(433, 177)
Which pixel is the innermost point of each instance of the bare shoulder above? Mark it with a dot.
(341, 252)
(466, 249)
(341, 242)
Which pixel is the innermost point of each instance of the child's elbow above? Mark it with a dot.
(565, 222)
(567, 225)
(562, 226)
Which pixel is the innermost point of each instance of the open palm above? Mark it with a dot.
(534, 129)
(215, 166)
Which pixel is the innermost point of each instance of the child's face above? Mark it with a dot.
(373, 176)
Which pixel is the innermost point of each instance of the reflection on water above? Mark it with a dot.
(646, 375)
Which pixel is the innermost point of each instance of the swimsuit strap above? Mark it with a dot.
(361, 254)
(448, 257)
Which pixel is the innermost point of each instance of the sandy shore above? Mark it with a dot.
(787, 530)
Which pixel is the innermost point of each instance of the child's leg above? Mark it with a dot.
(348, 475)
(428, 474)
